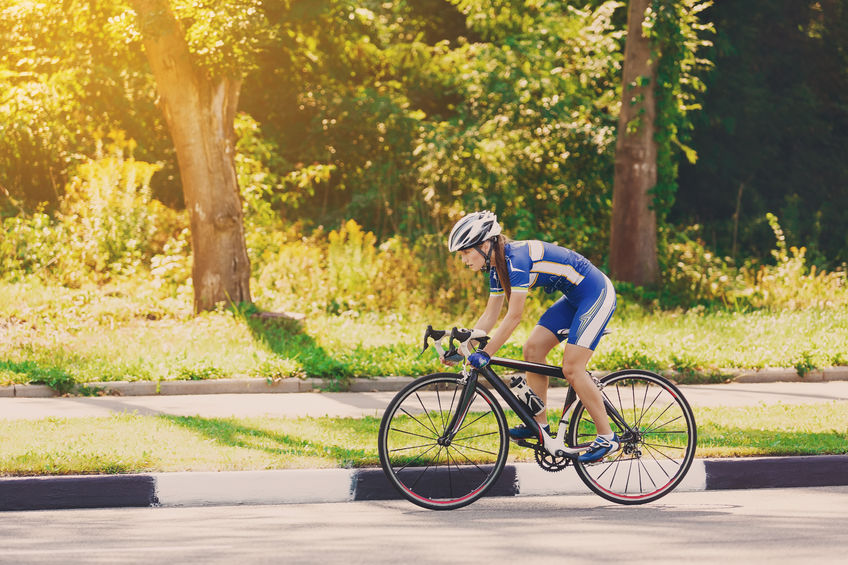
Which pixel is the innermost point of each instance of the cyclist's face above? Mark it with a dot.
(472, 258)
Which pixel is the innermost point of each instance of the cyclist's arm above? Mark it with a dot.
(490, 316)
(513, 317)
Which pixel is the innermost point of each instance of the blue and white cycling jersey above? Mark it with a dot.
(588, 300)
(534, 264)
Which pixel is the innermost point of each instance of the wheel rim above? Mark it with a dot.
(429, 472)
(656, 456)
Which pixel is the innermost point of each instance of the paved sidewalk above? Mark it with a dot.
(358, 404)
(336, 485)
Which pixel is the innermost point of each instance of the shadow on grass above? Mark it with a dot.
(285, 336)
(232, 433)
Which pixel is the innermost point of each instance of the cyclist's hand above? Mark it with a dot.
(451, 360)
(479, 359)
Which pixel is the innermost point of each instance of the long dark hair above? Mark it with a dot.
(499, 263)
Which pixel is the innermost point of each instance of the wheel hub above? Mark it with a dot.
(631, 441)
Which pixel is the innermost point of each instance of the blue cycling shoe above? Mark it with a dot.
(600, 448)
(523, 432)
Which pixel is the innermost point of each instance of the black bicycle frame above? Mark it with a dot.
(516, 405)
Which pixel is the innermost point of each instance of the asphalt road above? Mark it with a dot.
(775, 526)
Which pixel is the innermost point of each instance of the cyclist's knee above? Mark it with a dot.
(572, 371)
(534, 352)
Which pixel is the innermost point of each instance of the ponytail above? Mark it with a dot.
(499, 262)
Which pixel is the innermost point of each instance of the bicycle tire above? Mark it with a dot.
(651, 462)
(435, 476)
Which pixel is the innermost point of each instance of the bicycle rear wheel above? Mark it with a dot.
(423, 469)
(656, 452)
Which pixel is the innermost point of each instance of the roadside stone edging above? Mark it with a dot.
(212, 386)
(306, 486)
(376, 384)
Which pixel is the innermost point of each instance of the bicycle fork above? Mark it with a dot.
(466, 398)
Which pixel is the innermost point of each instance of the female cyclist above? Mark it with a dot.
(585, 308)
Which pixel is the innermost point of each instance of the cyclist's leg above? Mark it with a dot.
(574, 361)
(536, 350)
(594, 310)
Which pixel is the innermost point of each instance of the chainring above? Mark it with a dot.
(550, 462)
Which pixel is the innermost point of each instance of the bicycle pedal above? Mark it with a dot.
(525, 443)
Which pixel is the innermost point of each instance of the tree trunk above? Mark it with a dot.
(200, 112)
(633, 241)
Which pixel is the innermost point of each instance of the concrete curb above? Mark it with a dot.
(348, 485)
(376, 384)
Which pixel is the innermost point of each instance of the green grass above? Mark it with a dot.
(135, 443)
(61, 336)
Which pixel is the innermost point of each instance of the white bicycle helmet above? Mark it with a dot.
(472, 230)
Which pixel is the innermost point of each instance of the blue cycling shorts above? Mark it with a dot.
(585, 311)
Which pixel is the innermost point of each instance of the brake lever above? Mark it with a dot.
(464, 336)
(436, 335)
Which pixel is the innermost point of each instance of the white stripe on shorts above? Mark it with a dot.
(601, 317)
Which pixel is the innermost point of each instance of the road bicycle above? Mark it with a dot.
(444, 440)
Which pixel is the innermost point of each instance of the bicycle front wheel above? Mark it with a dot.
(657, 449)
(417, 460)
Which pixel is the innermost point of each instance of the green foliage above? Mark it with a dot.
(67, 71)
(109, 211)
(107, 224)
(31, 244)
(694, 275)
(417, 121)
(403, 114)
(346, 272)
(27, 372)
(224, 36)
(534, 131)
(772, 136)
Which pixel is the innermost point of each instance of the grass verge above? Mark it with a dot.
(131, 443)
(61, 337)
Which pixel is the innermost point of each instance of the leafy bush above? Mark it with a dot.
(346, 272)
(693, 275)
(30, 244)
(107, 225)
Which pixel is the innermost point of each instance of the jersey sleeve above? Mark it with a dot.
(495, 287)
(518, 264)
(519, 273)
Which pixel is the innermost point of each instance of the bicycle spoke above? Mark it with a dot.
(442, 476)
(466, 438)
(467, 424)
(422, 424)
(419, 458)
(653, 449)
(470, 462)
(413, 434)
(645, 409)
(427, 413)
(660, 415)
(656, 451)
(456, 445)
(420, 476)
